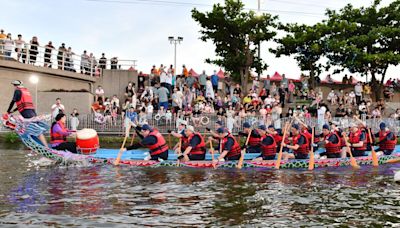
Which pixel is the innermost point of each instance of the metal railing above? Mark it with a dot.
(116, 125)
(63, 59)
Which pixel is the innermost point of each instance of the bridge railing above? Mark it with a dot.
(116, 125)
(63, 60)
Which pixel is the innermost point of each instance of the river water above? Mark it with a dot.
(180, 197)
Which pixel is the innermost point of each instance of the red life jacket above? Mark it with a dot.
(26, 100)
(308, 135)
(355, 138)
(342, 141)
(160, 147)
(303, 149)
(184, 143)
(56, 137)
(277, 138)
(332, 148)
(268, 150)
(235, 150)
(365, 130)
(201, 147)
(254, 141)
(387, 144)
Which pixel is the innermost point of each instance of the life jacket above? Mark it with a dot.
(56, 137)
(160, 147)
(333, 148)
(235, 150)
(365, 130)
(355, 138)
(342, 141)
(308, 135)
(268, 150)
(199, 148)
(387, 144)
(26, 100)
(254, 141)
(277, 138)
(303, 149)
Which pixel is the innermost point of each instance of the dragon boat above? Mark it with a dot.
(136, 157)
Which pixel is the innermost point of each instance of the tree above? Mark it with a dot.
(306, 44)
(365, 40)
(235, 33)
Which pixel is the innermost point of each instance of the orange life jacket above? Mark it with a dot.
(26, 100)
(56, 137)
(161, 145)
(268, 150)
(387, 144)
(235, 150)
(199, 148)
(355, 138)
(332, 148)
(303, 149)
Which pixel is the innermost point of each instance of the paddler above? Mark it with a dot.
(300, 144)
(196, 149)
(267, 144)
(254, 139)
(363, 127)
(230, 147)
(154, 141)
(357, 141)
(59, 133)
(180, 146)
(23, 99)
(332, 143)
(387, 139)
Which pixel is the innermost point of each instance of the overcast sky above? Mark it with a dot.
(139, 29)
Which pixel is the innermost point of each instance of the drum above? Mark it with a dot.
(87, 141)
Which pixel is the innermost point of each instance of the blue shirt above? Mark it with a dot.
(214, 79)
(132, 116)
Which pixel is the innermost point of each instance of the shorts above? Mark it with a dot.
(197, 157)
(163, 104)
(233, 158)
(357, 153)
(267, 157)
(301, 156)
(163, 155)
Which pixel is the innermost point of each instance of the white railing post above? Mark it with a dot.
(63, 60)
(91, 67)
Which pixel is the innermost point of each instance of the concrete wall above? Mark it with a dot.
(71, 100)
(48, 79)
(115, 81)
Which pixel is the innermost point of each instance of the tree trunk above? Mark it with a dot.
(377, 87)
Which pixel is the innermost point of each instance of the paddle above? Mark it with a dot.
(133, 137)
(353, 161)
(278, 160)
(373, 153)
(118, 159)
(311, 161)
(212, 153)
(243, 152)
(179, 152)
(394, 160)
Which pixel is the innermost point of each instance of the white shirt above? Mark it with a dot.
(56, 109)
(99, 91)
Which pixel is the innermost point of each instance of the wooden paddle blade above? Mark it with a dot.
(374, 158)
(394, 160)
(311, 162)
(278, 161)
(240, 162)
(353, 163)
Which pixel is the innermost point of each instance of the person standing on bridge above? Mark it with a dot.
(22, 97)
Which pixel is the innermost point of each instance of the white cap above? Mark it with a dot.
(190, 128)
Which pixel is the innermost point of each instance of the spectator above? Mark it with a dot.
(166, 79)
(282, 94)
(57, 108)
(84, 63)
(147, 95)
(19, 44)
(74, 120)
(129, 91)
(61, 57)
(267, 84)
(47, 54)
(115, 102)
(177, 100)
(214, 81)
(99, 93)
(69, 64)
(103, 62)
(340, 111)
(2, 38)
(33, 51)
(345, 80)
(209, 90)
(185, 71)
(114, 63)
(292, 90)
(203, 81)
(190, 80)
(358, 89)
(8, 46)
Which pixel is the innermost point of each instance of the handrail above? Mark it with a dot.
(68, 61)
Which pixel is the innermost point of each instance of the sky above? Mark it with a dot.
(139, 29)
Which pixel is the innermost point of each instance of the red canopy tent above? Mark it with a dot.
(221, 74)
(294, 79)
(276, 77)
(191, 71)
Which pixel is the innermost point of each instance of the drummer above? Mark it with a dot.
(59, 133)
(254, 138)
(230, 147)
(154, 141)
(196, 149)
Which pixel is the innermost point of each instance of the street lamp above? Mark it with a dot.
(34, 80)
(259, 43)
(175, 41)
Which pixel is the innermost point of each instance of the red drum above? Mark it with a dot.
(87, 141)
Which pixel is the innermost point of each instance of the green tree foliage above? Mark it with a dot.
(235, 32)
(306, 44)
(365, 40)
